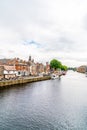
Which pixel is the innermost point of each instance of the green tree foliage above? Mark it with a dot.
(72, 68)
(55, 64)
(63, 67)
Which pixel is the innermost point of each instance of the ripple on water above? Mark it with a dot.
(47, 105)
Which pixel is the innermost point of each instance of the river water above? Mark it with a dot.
(46, 105)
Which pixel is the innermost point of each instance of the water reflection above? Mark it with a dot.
(47, 105)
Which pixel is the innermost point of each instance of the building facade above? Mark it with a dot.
(82, 69)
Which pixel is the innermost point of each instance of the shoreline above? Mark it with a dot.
(22, 81)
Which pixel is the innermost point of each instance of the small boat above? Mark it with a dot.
(54, 76)
(64, 73)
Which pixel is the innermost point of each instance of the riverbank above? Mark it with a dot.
(23, 81)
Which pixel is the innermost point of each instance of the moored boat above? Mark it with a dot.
(53, 76)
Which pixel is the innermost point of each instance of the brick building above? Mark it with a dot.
(82, 69)
(47, 67)
(1, 72)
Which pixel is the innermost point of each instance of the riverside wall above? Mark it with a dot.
(23, 81)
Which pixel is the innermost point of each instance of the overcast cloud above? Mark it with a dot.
(45, 30)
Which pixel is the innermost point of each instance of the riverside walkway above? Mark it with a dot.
(23, 80)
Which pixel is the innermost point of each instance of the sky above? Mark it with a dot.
(44, 29)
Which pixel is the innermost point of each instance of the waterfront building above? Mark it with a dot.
(47, 67)
(82, 69)
(33, 71)
(39, 68)
(35, 68)
(1, 72)
(24, 68)
(32, 67)
(21, 67)
(9, 71)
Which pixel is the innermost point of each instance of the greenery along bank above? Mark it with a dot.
(55, 64)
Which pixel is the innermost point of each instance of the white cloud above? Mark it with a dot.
(58, 29)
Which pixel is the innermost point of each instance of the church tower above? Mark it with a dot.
(29, 58)
(29, 61)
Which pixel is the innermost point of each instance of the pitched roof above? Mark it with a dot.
(9, 68)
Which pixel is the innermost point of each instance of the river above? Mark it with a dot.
(46, 105)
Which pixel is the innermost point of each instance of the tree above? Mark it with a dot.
(63, 67)
(55, 64)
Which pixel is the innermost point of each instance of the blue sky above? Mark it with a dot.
(45, 30)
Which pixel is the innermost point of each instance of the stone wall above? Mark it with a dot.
(22, 81)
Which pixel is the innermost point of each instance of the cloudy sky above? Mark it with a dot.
(44, 29)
